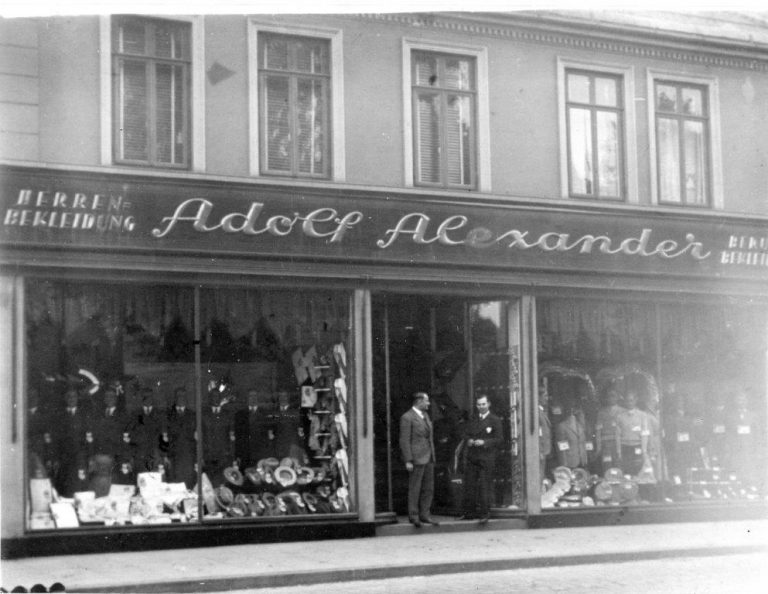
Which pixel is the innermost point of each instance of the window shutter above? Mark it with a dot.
(133, 111)
(278, 133)
(428, 137)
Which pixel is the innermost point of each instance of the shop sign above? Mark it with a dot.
(45, 208)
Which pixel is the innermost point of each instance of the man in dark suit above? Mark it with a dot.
(482, 437)
(418, 449)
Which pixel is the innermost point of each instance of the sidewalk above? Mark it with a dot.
(422, 553)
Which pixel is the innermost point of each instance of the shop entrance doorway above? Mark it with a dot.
(455, 349)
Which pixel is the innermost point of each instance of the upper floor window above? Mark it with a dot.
(444, 94)
(294, 105)
(682, 143)
(595, 123)
(151, 61)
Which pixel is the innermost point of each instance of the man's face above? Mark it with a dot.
(483, 406)
(423, 403)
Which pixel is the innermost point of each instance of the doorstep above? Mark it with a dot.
(402, 527)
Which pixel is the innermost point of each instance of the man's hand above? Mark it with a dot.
(479, 442)
(409, 466)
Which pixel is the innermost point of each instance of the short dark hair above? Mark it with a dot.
(419, 396)
(479, 396)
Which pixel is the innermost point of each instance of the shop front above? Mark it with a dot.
(195, 361)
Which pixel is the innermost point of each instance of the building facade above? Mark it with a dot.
(233, 246)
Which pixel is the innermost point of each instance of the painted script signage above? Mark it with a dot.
(74, 211)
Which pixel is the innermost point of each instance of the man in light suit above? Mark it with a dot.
(482, 438)
(418, 449)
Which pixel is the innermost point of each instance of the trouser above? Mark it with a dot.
(421, 488)
(478, 486)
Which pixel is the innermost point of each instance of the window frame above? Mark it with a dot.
(482, 152)
(442, 93)
(195, 108)
(335, 133)
(710, 89)
(628, 135)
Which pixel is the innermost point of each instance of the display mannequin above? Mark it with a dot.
(110, 423)
(571, 439)
(606, 430)
(681, 442)
(182, 445)
(632, 432)
(742, 452)
(288, 431)
(73, 424)
(146, 432)
(218, 436)
(252, 433)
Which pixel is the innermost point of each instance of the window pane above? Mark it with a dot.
(458, 74)
(692, 102)
(669, 160)
(277, 125)
(132, 97)
(666, 98)
(425, 70)
(580, 132)
(106, 365)
(608, 153)
(131, 37)
(695, 163)
(606, 92)
(276, 53)
(165, 102)
(275, 395)
(311, 56)
(311, 126)
(459, 140)
(578, 88)
(427, 132)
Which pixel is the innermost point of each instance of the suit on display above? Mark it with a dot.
(482, 438)
(417, 447)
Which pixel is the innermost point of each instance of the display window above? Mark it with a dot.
(154, 405)
(643, 403)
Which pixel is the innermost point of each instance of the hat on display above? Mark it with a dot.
(285, 476)
(233, 476)
(254, 475)
(603, 491)
(265, 463)
(288, 461)
(304, 475)
(224, 497)
(238, 510)
(562, 474)
(310, 501)
(323, 491)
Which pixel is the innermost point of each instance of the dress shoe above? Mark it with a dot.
(463, 517)
(429, 521)
(415, 521)
(484, 519)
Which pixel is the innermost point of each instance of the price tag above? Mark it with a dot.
(541, 432)
(645, 432)
(638, 451)
(719, 429)
(636, 428)
(556, 410)
(676, 480)
(590, 446)
(563, 446)
(743, 430)
(682, 437)
(607, 459)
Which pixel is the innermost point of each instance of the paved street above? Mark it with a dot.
(689, 575)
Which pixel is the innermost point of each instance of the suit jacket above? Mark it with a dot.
(417, 443)
(571, 442)
(490, 431)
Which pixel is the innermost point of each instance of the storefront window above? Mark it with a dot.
(275, 417)
(112, 404)
(650, 404)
